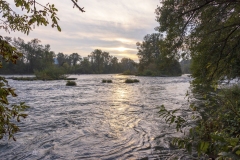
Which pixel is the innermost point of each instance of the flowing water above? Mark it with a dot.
(95, 120)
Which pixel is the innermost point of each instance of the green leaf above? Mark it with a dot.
(233, 141)
(173, 118)
(204, 146)
(58, 27)
(238, 152)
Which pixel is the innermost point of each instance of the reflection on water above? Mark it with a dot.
(96, 120)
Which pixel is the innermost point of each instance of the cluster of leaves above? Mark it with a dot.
(208, 32)
(170, 117)
(9, 112)
(13, 21)
(216, 131)
(8, 52)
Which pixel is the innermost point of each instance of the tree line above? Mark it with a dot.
(37, 57)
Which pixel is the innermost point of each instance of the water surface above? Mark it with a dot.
(95, 120)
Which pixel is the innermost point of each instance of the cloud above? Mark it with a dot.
(106, 25)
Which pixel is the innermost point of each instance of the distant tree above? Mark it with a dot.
(19, 44)
(61, 58)
(114, 65)
(46, 57)
(35, 55)
(74, 58)
(106, 62)
(97, 59)
(85, 66)
(148, 50)
(128, 64)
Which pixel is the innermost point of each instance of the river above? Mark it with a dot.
(95, 120)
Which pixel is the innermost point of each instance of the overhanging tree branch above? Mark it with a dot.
(75, 4)
(221, 52)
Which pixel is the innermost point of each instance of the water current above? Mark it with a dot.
(95, 120)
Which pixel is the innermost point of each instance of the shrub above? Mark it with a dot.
(128, 72)
(147, 73)
(109, 81)
(71, 83)
(51, 73)
(217, 124)
(106, 81)
(135, 80)
(131, 81)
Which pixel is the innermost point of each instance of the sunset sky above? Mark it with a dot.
(113, 26)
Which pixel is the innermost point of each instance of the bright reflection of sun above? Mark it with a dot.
(119, 116)
(120, 94)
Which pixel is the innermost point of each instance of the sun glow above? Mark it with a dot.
(121, 49)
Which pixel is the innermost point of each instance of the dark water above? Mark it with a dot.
(95, 120)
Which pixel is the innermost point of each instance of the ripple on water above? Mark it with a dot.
(95, 120)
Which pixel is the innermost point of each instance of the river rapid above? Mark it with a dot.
(96, 120)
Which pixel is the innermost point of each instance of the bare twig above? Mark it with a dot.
(75, 4)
